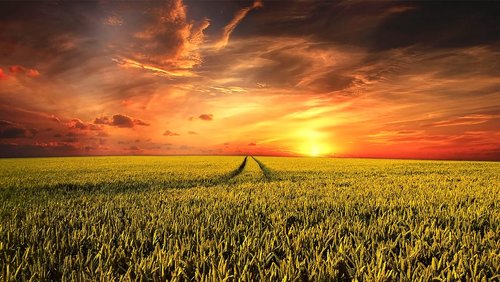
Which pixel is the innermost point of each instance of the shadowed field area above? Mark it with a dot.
(262, 218)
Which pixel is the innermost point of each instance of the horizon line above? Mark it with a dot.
(255, 155)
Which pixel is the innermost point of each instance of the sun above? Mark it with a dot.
(313, 143)
(315, 149)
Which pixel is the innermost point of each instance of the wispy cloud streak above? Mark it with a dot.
(238, 17)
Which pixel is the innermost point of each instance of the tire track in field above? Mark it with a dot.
(77, 189)
(237, 171)
(268, 175)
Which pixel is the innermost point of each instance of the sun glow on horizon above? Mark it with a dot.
(315, 149)
(314, 144)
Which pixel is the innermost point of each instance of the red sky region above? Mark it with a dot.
(325, 78)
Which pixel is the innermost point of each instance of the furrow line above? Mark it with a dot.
(239, 170)
(265, 170)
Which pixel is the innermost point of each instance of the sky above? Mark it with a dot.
(392, 79)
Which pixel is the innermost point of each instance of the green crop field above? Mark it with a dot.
(236, 218)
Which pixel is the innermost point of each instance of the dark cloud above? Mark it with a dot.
(70, 140)
(140, 122)
(170, 133)
(332, 81)
(81, 125)
(437, 25)
(206, 117)
(39, 149)
(192, 132)
(120, 120)
(90, 147)
(102, 120)
(380, 25)
(394, 36)
(238, 17)
(48, 32)
(12, 130)
(252, 144)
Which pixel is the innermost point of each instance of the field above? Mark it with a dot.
(236, 218)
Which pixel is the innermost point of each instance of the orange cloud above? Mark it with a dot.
(2, 74)
(32, 73)
(238, 17)
(113, 20)
(465, 120)
(129, 63)
(169, 45)
(54, 118)
(17, 69)
(206, 117)
(170, 133)
(120, 120)
(81, 125)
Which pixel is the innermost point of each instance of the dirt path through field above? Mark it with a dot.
(265, 170)
(239, 170)
(250, 170)
(250, 173)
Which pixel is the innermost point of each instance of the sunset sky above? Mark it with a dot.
(324, 78)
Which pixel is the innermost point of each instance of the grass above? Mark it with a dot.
(263, 218)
